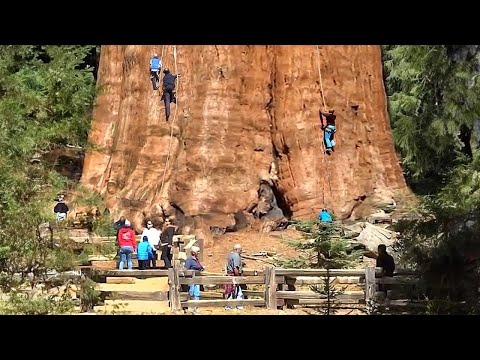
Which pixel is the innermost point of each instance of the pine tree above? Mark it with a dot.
(46, 96)
(321, 247)
(434, 107)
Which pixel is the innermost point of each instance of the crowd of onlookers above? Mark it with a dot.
(152, 240)
(234, 267)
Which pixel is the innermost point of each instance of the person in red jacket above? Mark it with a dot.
(128, 245)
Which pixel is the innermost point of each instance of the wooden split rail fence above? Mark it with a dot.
(280, 286)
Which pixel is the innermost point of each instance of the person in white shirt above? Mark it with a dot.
(153, 236)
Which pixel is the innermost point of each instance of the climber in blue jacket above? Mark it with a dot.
(328, 126)
(155, 64)
(155, 67)
(325, 216)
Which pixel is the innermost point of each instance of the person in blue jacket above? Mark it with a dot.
(325, 216)
(144, 254)
(192, 263)
(329, 128)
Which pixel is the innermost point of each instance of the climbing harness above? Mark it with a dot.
(177, 87)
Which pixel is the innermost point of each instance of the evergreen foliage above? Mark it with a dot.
(321, 247)
(434, 108)
(46, 97)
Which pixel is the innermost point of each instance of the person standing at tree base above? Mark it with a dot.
(234, 267)
(386, 262)
(166, 242)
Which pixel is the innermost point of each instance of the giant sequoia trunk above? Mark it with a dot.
(244, 114)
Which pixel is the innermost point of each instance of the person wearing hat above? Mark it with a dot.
(234, 267)
(192, 263)
(60, 209)
(128, 245)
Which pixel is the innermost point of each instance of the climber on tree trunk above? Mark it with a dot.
(155, 67)
(328, 126)
(168, 90)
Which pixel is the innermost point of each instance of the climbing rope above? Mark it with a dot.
(177, 87)
(162, 55)
(326, 162)
(320, 77)
(163, 67)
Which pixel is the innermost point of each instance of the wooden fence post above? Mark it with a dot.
(283, 287)
(270, 288)
(174, 283)
(370, 287)
(171, 289)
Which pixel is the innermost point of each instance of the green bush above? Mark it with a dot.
(86, 252)
(61, 260)
(89, 297)
(22, 304)
(321, 247)
(103, 226)
(87, 197)
(47, 94)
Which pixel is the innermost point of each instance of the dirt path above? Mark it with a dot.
(215, 257)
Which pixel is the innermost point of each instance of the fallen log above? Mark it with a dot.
(271, 262)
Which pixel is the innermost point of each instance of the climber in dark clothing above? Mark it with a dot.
(169, 90)
(328, 126)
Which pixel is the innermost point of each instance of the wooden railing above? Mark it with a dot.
(280, 286)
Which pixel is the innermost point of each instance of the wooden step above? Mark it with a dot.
(99, 258)
(110, 264)
(78, 233)
(133, 307)
(136, 295)
(113, 264)
(148, 285)
(139, 274)
(120, 280)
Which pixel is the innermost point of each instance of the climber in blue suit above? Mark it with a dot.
(155, 64)
(325, 216)
(328, 126)
(155, 67)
